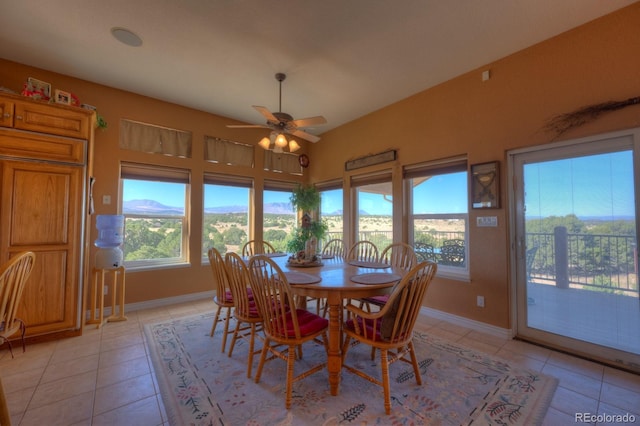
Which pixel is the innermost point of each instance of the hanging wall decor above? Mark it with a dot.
(485, 185)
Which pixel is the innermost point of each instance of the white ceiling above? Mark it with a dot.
(343, 58)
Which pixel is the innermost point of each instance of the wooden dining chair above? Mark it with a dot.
(254, 247)
(13, 277)
(223, 297)
(283, 323)
(390, 330)
(248, 319)
(363, 250)
(334, 247)
(399, 255)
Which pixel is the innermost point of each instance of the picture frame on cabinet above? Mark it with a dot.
(62, 97)
(485, 185)
(37, 89)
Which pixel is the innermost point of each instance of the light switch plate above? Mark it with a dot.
(487, 221)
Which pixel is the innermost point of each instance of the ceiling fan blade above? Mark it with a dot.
(311, 121)
(266, 113)
(304, 135)
(247, 126)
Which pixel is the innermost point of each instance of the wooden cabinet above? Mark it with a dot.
(45, 118)
(43, 195)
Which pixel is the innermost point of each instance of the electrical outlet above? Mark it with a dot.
(106, 290)
(480, 301)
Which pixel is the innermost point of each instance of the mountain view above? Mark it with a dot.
(154, 207)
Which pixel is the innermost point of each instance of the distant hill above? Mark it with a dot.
(154, 207)
(149, 207)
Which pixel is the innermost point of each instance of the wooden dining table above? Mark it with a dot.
(336, 280)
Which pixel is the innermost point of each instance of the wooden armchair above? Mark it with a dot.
(283, 324)
(13, 277)
(391, 329)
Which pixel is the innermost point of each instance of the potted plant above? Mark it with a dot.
(305, 198)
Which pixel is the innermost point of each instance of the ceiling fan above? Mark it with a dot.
(282, 123)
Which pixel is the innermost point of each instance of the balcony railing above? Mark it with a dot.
(601, 262)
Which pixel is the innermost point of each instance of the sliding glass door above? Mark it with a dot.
(576, 247)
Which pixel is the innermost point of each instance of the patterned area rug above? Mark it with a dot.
(202, 386)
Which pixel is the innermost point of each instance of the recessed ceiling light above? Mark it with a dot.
(125, 36)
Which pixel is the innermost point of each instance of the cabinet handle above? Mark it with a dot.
(18, 117)
(6, 115)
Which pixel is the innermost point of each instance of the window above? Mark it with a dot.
(331, 210)
(279, 217)
(226, 213)
(438, 219)
(154, 201)
(374, 208)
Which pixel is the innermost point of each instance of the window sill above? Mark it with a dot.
(157, 266)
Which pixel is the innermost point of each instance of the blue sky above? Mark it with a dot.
(597, 185)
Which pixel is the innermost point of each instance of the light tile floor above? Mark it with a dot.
(105, 376)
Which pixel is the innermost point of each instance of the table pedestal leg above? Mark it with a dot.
(334, 362)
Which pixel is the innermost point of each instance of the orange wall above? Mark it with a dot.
(591, 64)
(594, 63)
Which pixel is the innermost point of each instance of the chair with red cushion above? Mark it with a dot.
(283, 324)
(248, 319)
(399, 255)
(390, 330)
(223, 297)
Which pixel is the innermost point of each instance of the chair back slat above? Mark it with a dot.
(400, 255)
(239, 281)
(253, 247)
(400, 313)
(274, 299)
(334, 248)
(364, 251)
(13, 277)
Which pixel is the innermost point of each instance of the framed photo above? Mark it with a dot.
(485, 185)
(38, 89)
(62, 97)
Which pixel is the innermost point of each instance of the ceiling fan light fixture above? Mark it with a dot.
(281, 141)
(293, 146)
(278, 149)
(265, 143)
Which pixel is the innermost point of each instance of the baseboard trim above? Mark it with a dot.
(503, 333)
(158, 303)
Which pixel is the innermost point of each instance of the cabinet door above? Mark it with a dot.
(6, 113)
(41, 211)
(52, 119)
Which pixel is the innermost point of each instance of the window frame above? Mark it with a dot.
(156, 173)
(231, 181)
(440, 167)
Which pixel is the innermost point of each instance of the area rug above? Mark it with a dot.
(202, 386)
